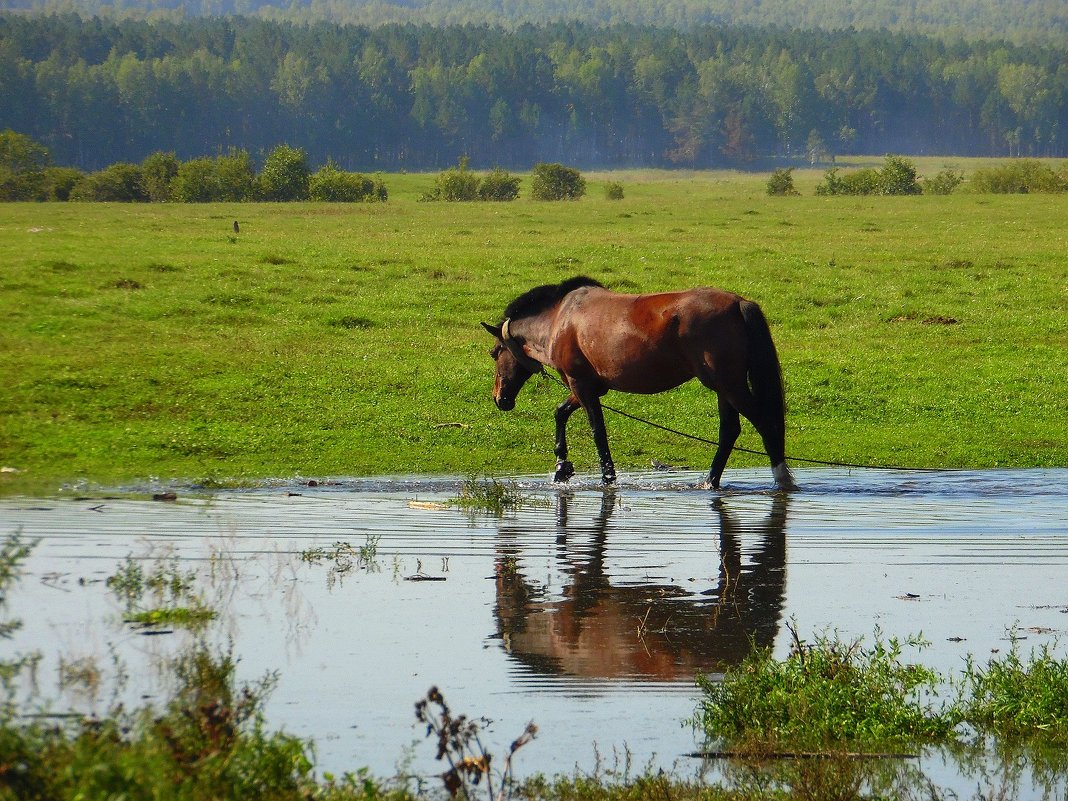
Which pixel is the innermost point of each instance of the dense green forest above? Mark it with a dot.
(1017, 20)
(96, 92)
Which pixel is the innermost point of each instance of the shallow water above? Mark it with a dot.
(585, 611)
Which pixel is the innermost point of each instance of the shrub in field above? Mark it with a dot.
(613, 190)
(498, 185)
(556, 182)
(331, 185)
(120, 183)
(22, 165)
(285, 175)
(157, 171)
(20, 185)
(1020, 177)
(237, 176)
(860, 182)
(943, 183)
(59, 182)
(454, 185)
(781, 182)
(897, 177)
(196, 181)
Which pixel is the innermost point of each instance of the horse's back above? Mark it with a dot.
(646, 343)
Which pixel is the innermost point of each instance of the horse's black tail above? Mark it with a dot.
(765, 377)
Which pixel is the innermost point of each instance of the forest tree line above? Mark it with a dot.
(96, 92)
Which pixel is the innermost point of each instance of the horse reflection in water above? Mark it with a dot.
(654, 631)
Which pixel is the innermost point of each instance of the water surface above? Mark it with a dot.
(586, 611)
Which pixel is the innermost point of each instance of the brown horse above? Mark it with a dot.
(600, 340)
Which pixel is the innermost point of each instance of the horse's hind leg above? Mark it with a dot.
(729, 428)
(564, 468)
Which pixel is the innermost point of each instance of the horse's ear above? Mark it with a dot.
(495, 330)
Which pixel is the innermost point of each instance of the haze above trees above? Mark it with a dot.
(1017, 20)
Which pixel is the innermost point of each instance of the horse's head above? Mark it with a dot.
(513, 367)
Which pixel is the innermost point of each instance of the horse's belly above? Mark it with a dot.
(646, 376)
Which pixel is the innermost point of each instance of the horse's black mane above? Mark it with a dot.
(545, 296)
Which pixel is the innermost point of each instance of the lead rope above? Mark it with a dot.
(696, 438)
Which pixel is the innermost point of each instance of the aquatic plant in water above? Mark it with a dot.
(826, 695)
(1018, 699)
(488, 495)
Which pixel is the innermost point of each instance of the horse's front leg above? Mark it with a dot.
(600, 439)
(564, 468)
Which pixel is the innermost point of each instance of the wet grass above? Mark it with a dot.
(150, 341)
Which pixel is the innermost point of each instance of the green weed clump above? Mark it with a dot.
(1017, 699)
(488, 495)
(826, 695)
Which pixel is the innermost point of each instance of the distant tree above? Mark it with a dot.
(285, 174)
(119, 183)
(157, 172)
(556, 182)
(21, 154)
(331, 185)
(196, 181)
(781, 182)
(613, 190)
(943, 183)
(456, 184)
(816, 149)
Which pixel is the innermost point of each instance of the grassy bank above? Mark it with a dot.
(154, 341)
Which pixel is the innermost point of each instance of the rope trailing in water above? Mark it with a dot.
(713, 442)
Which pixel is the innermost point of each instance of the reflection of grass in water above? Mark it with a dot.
(161, 594)
(343, 557)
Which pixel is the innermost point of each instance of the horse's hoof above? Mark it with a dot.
(564, 471)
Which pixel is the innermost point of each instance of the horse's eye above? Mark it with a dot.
(495, 351)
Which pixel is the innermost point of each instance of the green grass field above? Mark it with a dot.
(151, 341)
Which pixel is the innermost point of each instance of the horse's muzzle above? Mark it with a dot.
(505, 404)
